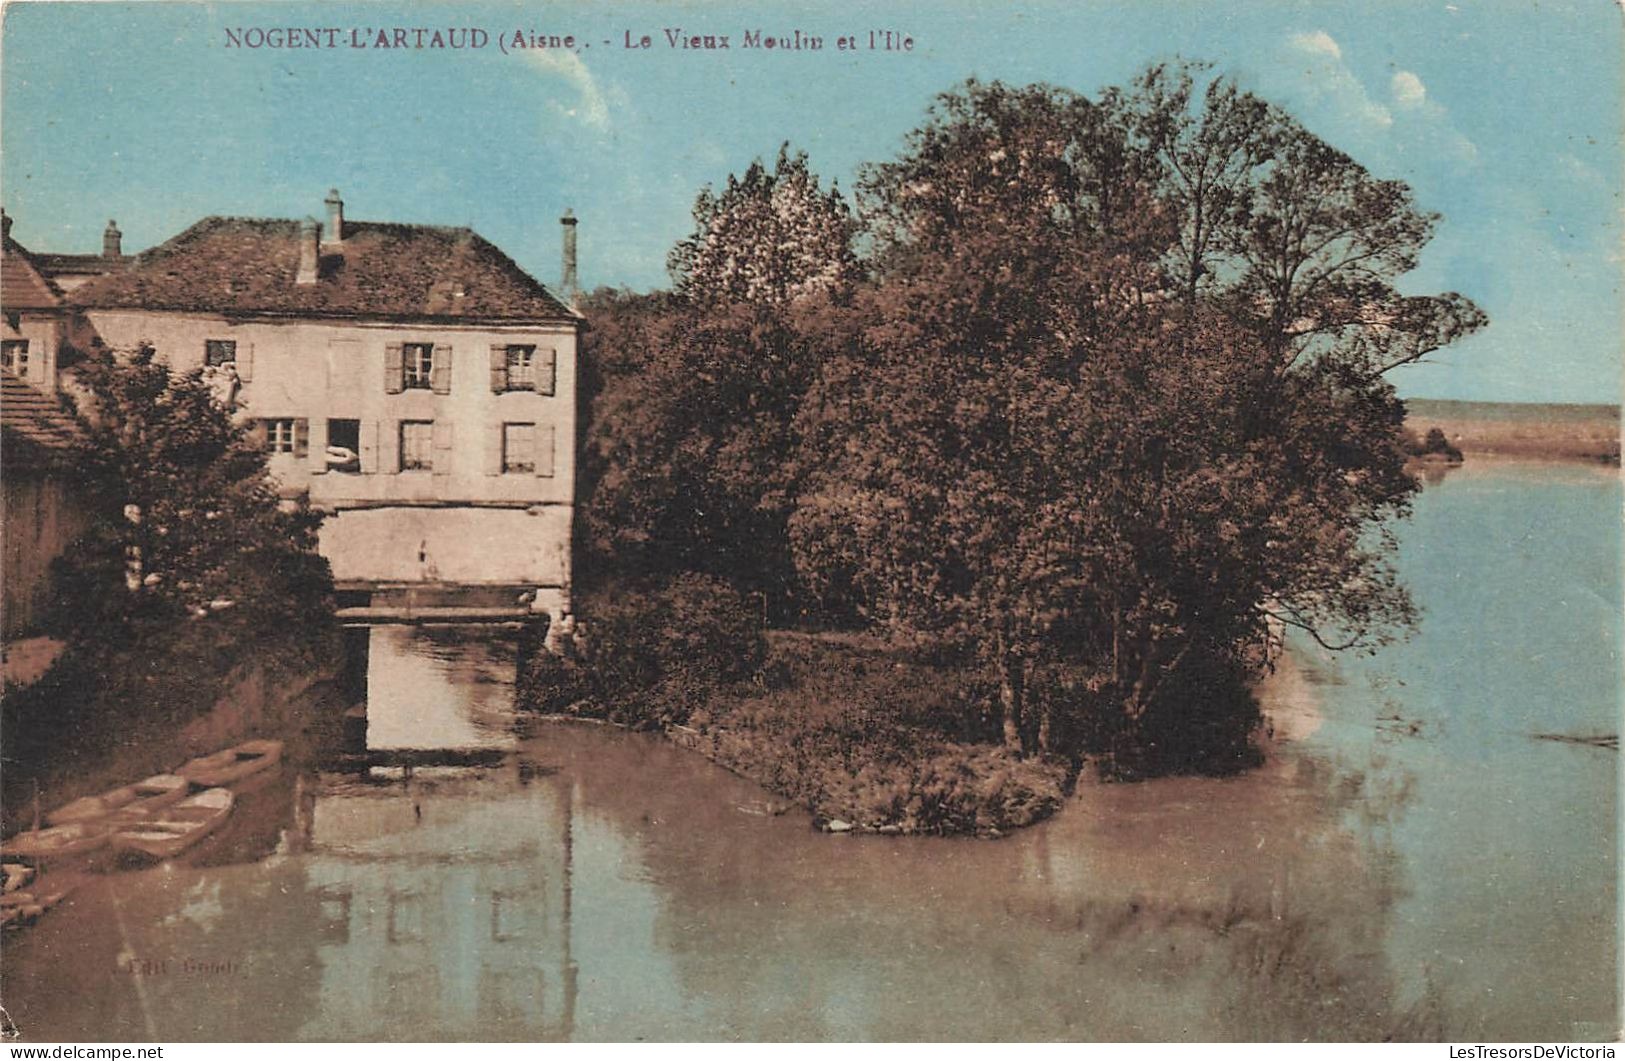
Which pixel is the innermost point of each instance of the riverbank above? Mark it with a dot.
(851, 730)
(1536, 431)
(100, 718)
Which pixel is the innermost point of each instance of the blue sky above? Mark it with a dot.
(1504, 116)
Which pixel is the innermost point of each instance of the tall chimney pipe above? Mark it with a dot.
(310, 236)
(112, 241)
(335, 217)
(568, 281)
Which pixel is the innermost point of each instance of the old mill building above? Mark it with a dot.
(411, 380)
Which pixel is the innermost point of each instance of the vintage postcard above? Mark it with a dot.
(707, 521)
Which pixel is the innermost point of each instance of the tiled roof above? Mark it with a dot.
(22, 285)
(248, 265)
(35, 427)
(77, 264)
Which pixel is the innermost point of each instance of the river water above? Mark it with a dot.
(1411, 862)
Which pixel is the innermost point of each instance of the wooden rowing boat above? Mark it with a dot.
(127, 801)
(16, 875)
(178, 827)
(233, 764)
(59, 841)
(20, 908)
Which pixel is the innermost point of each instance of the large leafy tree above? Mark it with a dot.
(769, 238)
(1116, 396)
(186, 522)
(689, 456)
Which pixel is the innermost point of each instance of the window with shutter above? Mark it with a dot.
(301, 438)
(367, 444)
(440, 373)
(393, 361)
(546, 368)
(389, 447)
(499, 368)
(521, 367)
(418, 360)
(518, 448)
(14, 356)
(219, 351)
(442, 447)
(544, 451)
(417, 445)
(279, 435)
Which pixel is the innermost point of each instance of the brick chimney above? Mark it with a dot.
(5, 223)
(567, 283)
(335, 219)
(112, 241)
(310, 237)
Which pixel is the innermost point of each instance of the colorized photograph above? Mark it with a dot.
(714, 521)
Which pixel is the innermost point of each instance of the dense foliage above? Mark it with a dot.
(768, 239)
(650, 652)
(190, 570)
(1105, 409)
(186, 523)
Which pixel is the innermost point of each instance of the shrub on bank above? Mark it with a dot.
(860, 735)
(1434, 445)
(841, 725)
(907, 784)
(646, 652)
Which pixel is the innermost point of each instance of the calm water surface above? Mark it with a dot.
(1410, 863)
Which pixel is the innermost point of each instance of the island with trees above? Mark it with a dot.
(1021, 464)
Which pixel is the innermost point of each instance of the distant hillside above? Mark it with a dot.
(1516, 429)
(1539, 412)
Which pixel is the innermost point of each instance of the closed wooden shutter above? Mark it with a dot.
(389, 447)
(301, 439)
(394, 381)
(493, 449)
(245, 361)
(318, 445)
(499, 368)
(259, 433)
(369, 446)
(543, 446)
(442, 447)
(546, 366)
(440, 370)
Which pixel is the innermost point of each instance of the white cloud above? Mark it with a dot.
(1318, 43)
(590, 106)
(1329, 77)
(1408, 90)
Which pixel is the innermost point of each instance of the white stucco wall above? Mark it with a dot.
(322, 370)
(461, 545)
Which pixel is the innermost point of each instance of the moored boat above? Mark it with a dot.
(20, 908)
(126, 801)
(16, 875)
(177, 828)
(233, 764)
(58, 841)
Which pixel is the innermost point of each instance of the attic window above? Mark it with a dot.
(219, 351)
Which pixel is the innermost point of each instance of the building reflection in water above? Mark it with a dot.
(443, 888)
